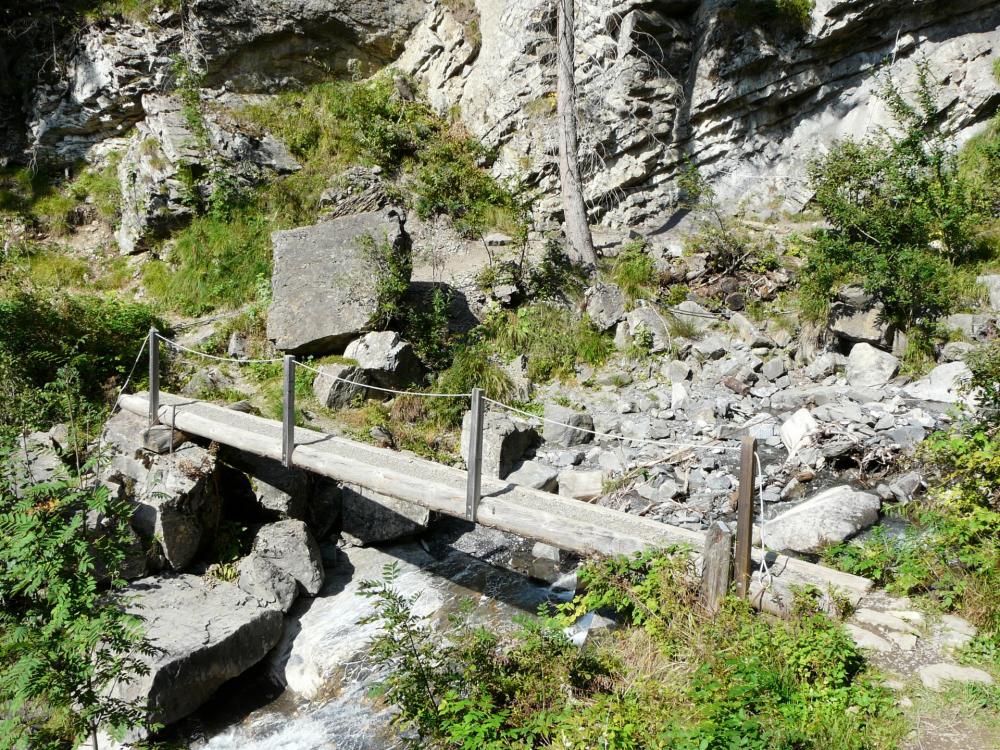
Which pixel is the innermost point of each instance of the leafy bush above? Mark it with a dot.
(39, 335)
(472, 367)
(790, 15)
(391, 267)
(450, 181)
(64, 639)
(902, 214)
(672, 678)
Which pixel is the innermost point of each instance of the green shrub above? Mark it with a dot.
(472, 367)
(789, 15)
(449, 181)
(391, 267)
(556, 277)
(65, 639)
(670, 678)
(902, 214)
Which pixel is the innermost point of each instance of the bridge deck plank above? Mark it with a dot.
(563, 522)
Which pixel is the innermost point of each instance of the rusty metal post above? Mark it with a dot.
(154, 377)
(474, 486)
(288, 412)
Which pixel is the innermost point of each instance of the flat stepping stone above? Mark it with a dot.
(884, 620)
(936, 676)
(867, 639)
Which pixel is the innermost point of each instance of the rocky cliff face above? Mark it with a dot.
(661, 82)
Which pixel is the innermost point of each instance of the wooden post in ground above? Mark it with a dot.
(474, 491)
(744, 511)
(717, 563)
(154, 377)
(288, 412)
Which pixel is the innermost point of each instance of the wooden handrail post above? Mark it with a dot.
(474, 486)
(288, 412)
(744, 520)
(716, 566)
(154, 377)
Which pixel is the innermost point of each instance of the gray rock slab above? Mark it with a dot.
(825, 519)
(936, 676)
(266, 582)
(206, 632)
(870, 367)
(386, 360)
(534, 474)
(292, 549)
(942, 384)
(324, 285)
(505, 441)
(565, 434)
(605, 305)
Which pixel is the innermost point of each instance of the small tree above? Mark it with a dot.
(901, 212)
(66, 641)
(577, 225)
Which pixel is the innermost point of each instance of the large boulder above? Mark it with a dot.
(266, 582)
(204, 633)
(856, 317)
(605, 305)
(992, 284)
(370, 517)
(560, 427)
(869, 367)
(338, 384)
(943, 383)
(828, 518)
(326, 284)
(505, 441)
(385, 359)
(292, 549)
(177, 502)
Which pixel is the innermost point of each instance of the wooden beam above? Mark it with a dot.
(717, 564)
(560, 521)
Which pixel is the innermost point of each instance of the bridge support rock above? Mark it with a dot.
(175, 494)
(370, 517)
(206, 633)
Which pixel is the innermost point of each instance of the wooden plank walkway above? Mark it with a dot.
(560, 521)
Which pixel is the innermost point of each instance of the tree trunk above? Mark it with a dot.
(577, 227)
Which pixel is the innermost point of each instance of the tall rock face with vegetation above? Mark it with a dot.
(746, 90)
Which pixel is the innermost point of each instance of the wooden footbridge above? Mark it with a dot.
(563, 522)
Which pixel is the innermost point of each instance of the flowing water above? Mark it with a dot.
(314, 691)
